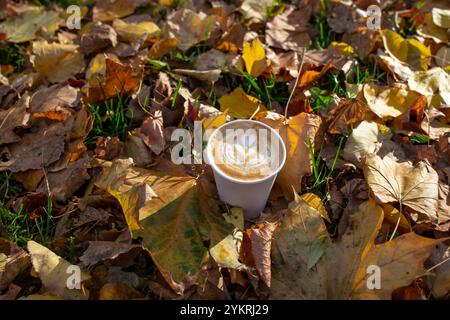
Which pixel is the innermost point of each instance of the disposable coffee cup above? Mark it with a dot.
(245, 165)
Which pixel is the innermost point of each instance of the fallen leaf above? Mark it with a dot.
(289, 30)
(57, 102)
(366, 139)
(16, 157)
(108, 10)
(55, 61)
(132, 32)
(441, 17)
(433, 84)
(387, 101)
(119, 79)
(162, 47)
(296, 133)
(13, 260)
(151, 132)
(410, 51)
(18, 116)
(23, 28)
(254, 57)
(255, 10)
(347, 115)
(430, 30)
(413, 186)
(401, 262)
(189, 27)
(53, 272)
(257, 245)
(99, 251)
(152, 201)
(240, 105)
(99, 37)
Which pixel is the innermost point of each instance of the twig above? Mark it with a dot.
(295, 85)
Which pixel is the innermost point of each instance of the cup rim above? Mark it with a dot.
(223, 175)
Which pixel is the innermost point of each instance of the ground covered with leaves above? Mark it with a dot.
(86, 177)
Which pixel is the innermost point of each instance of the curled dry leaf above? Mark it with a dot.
(100, 36)
(55, 61)
(413, 186)
(151, 132)
(256, 249)
(52, 270)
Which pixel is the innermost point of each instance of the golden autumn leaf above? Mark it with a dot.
(240, 105)
(108, 10)
(410, 51)
(400, 182)
(390, 101)
(56, 61)
(254, 56)
(296, 133)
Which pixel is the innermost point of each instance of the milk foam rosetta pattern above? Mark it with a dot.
(245, 153)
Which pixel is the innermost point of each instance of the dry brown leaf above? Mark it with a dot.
(13, 260)
(400, 182)
(99, 37)
(151, 132)
(52, 270)
(16, 157)
(189, 27)
(104, 250)
(256, 249)
(55, 61)
(347, 115)
(57, 102)
(108, 10)
(18, 116)
(289, 30)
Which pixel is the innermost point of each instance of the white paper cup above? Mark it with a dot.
(250, 195)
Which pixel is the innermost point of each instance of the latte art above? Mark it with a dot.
(245, 151)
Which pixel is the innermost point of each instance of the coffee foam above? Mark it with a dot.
(246, 151)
